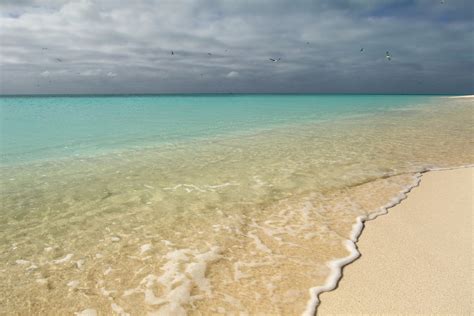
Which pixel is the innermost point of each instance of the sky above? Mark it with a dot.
(210, 46)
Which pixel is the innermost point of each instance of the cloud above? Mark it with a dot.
(232, 74)
(318, 42)
(91, 72)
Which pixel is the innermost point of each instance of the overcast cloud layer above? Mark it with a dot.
(88, 46)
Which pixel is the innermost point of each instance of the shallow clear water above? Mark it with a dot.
(35, 128)
(201, 203)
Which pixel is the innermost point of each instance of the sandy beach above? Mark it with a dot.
(417, 259)
(469, 96)
(163, 157)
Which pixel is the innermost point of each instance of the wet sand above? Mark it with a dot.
(418, 258)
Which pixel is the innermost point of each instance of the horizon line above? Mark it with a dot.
(219, 93)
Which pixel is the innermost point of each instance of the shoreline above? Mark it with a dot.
(337, 265)
(468, 96)
(337, 289)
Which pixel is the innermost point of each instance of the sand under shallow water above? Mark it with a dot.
(238, 223)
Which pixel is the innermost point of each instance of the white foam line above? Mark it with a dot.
(337, 265)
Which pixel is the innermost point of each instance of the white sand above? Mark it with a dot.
(418, 259)
(471, 96)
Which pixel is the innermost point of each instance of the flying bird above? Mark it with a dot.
(274, 60)
(59, 60)
(388, 56)
(172, 53)
(362, 49)
(209, 54)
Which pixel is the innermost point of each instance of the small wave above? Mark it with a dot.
(202, 189)
(183, 270)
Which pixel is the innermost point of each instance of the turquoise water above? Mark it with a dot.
(38, 128)
(202, 204)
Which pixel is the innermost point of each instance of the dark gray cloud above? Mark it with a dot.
(87, 46)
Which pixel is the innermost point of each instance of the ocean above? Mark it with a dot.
(199, 204)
